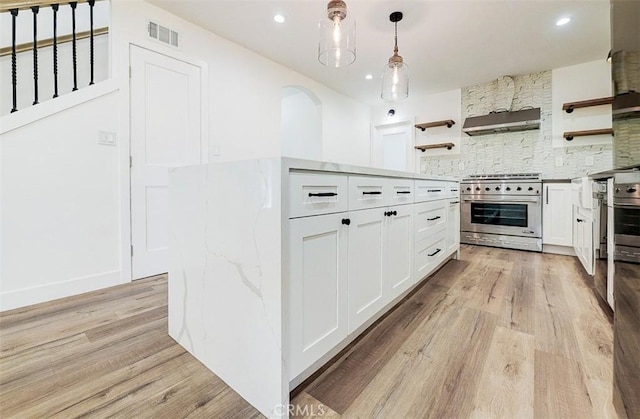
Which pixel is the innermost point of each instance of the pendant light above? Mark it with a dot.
(337, 46)
(395, 76)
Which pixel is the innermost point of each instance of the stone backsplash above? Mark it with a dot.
(516, 152)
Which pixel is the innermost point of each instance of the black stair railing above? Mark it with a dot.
(14, 7)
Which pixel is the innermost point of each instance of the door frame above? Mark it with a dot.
(375, 142)
(124, 134)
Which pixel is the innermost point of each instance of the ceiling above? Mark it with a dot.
(447, 44)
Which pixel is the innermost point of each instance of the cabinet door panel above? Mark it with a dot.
(557, 223)
(366, 254)
(399, 253)
(453, 226)
(318, 288)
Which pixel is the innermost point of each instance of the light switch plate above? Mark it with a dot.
(106, 138)
(588, 161)
(558, 161)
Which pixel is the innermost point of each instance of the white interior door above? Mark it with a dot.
(165, 132)
(392, 146)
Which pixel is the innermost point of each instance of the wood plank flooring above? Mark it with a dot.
(496, 334)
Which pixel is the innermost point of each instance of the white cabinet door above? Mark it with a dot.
(318, 288)
(583, 239)
(399, 251)
(453, 226)
(366, 256)
(557, 214)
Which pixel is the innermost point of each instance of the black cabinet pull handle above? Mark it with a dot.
(434, 190)
(547, 195)
(579, 220)
(323, 194)
(434, 218)
(403, 192)
(387, 213)
(346, 221)
(435, 253)
(372, 193)
(394, 212)
(454, 202)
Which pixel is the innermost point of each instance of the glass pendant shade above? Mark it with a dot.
(337, 46)
(395, 80)
(395, 75)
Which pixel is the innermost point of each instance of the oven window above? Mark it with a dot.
(627, 221)
(513, 215)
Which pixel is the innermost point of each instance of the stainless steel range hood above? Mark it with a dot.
(502, 122)
(626, 105)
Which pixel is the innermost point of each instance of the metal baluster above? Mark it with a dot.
(14, 77)
(73, 5)
(55, 50)
(91, 50)
(34, 10)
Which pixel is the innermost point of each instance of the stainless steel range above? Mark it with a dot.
(502, 210)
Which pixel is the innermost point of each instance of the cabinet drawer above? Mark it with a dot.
(429, 190)
(399, 191)
(430, 218)
(429, 253)
(453, 190)
(316, 193)
(367, 192)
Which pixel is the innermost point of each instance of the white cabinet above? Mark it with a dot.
(453, 225)
(557, 214)
(318, 287)
(366, 254)
(583, 238)
(398, 269)
(380, 259)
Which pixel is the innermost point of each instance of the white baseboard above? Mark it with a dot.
(43, 293)
(558, 250)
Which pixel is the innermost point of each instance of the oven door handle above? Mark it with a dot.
(534, 199)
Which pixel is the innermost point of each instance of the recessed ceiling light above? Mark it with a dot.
(368, 76)
(563, 21)
(279, 18)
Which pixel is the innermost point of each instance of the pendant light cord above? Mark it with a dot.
(395, 49)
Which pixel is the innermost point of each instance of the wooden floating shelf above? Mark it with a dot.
(448, 146)
(569, 136)
(570, 106)
(448, 122)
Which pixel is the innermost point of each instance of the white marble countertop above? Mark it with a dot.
(321, 166)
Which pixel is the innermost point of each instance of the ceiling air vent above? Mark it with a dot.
(163, 34)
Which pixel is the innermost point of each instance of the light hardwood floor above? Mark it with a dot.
(496, 334)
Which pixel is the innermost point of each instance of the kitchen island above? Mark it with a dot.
(276, 265)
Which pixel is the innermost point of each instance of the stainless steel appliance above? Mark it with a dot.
(626, 337)
(503, 210)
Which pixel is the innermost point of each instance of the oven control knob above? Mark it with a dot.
(508, 188)
(617, 190)
(487, 189)
(468, 189)
(518, 188)
(477, 189)
(530, 188)
(497, 188)
(631, 189)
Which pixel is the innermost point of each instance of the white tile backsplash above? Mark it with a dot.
(516, 152)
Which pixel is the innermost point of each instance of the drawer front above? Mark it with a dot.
(367, 192)
(316, 193)
(453, 190)
(399, 191)
(429, 253)
(430, 190)
(430, 218)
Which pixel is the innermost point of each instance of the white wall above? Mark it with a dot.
(301, 124)
(65, 226)
(585, 81)
(59, 202)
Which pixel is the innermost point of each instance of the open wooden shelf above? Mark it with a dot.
(570, 106)
(448, 146)
(569, 136)
(448, 122)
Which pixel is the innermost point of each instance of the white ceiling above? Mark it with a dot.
(447, 44)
